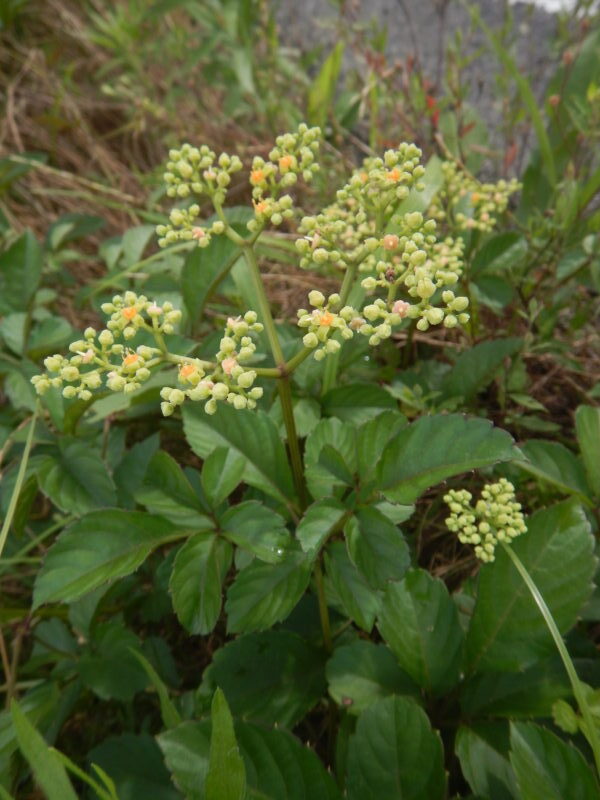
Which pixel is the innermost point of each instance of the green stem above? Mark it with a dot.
(12, 506)
(283, 383)
(578, 691)
(323, 610)
(114, 280)
(332, 362)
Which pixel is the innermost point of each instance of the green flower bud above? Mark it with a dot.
(434, 315)
(316, 298)
(106, 338)
(414, 220)
(167, 409)
(246, 379)
(460, 303)
(220, 391)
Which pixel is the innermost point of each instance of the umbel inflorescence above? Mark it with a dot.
(366, 236)
(496, 517)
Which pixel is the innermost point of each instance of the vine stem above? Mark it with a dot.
(283, 382)
(576, 684)
(12, 506)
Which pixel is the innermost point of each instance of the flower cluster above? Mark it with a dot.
(229, 380)
(99, 354)
(182, 227)
(344, 233)
(192, 170)
(473, 205)
(195, 171)
(363, 230)
(127, 315)
(323, 320)
(496, 517)
(293, 155)
(414, 261)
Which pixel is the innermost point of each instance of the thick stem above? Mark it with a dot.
(283, 383)
(578, 691)
(323, 610)
(12, 506)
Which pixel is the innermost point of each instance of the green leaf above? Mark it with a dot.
(167, 492)
(318, 522)
(475, 369)
(49, 336)
(75, 478)
(587, 425)
(528, 693)
(358, 600)
(13, 330)
(483, 754)
(507, 631)
(554, 463)
(334, 463)
(278, 767)
(258, 529)
(395, 754)
(102, 546)
(222, 472)
(49, 772)
(263, 594)
(136, 767)
(226, 778)
(420, 623)
(548, 768)
(273, 677)
(438, 447)
(20, 273)
(253, 435)
(500, 253)
(361, 673)
(129, 475)
(377, 547)
(134, 241)
(357, 402)
(342, 438)
(196, 583)
(372, 440)
(321, 92)
(108, 667)
(170, 715)
(204, 268)
(433, 180)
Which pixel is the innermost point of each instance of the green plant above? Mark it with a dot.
(303, 503)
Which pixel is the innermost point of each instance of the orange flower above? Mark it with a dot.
(390, 242)
(257, 176)
(228, 364)
(326, 318)
(364, 177)
(130, 360)
(393, 175)
(187, 370)
(130, 312)
(261, 207)
(285, 162)
(475, 197)
(198, 233)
